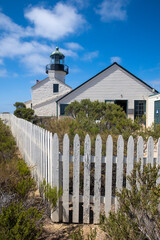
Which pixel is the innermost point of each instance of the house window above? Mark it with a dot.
(62, 109)
(139, 108)
(55, 88)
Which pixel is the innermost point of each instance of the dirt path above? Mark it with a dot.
(64, 231)
(52, 231)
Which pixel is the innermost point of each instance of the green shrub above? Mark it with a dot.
(23, 183)
(7, 143)
(23, 112)
(23, 169)
(24, 186)
(17, 223)
(78, 235)
(138, 216)
(51, 194)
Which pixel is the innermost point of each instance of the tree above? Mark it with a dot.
(23, 112)
(101, 116)
(138, 216)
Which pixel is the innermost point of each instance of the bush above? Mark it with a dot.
(7, 143)
(78, 235)
(138, 216)
(15, 178)
(51, 194)
(23, 182)
(17, 223)
(23, 112)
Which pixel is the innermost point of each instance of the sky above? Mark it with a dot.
(91, 34)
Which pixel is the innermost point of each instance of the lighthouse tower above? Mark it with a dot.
(46, 92)
(57, 68)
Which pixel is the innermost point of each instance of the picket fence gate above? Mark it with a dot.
(40, 149)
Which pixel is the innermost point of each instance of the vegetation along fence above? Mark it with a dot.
(40, 148)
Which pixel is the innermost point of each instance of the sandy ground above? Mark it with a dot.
(59, 230)
(64, 231)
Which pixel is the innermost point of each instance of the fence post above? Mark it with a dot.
(86, 193)
(108, 177)
(130, 159)
(55, 175)
(119, 171)
(76, 164)
(97, 179)
(150, 150)
(140, 149)
(66, 178)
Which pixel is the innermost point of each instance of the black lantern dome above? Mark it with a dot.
(57, 62)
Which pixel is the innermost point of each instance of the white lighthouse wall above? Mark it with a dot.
(47, 108)
(43, 97)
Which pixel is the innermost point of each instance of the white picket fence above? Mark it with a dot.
(40, 149)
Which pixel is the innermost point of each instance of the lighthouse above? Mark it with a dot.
(57, 68)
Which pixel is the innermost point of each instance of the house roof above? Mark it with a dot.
(40, 81)
(115, 63)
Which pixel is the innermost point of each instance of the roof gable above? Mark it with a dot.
(114, 64)
(39, 83)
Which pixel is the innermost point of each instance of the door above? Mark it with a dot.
(157, 112)
(123, 104)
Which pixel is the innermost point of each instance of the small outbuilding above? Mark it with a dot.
(114, 84)
(153, 110)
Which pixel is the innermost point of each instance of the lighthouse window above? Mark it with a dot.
(55, 88)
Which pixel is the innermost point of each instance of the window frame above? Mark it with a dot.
(139, 110)
(62, 113)
(55, 88)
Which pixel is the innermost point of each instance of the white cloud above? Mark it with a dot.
(3, 73)
(116, 59)
(75, 70)
(80, 3)
(89, 56)
(55, 24)
(8, 25)
(74, 46)
(110, 10)
(33, 55)
(156, 82)
(35, 63)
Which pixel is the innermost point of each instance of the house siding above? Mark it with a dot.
(112, 84)
(150, 109)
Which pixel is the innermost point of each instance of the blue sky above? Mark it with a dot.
(92, 34)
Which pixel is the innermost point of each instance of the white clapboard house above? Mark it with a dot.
(114, 84)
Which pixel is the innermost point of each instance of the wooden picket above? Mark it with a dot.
(140, 151)
(55, 174)
(97, 179)
(40, 150)
(86, 192)
(150, 150)
(119, 170)
(108, 177)
(130, 158)
(66, 178)
(76, 170)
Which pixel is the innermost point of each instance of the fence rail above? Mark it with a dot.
(40, 149)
